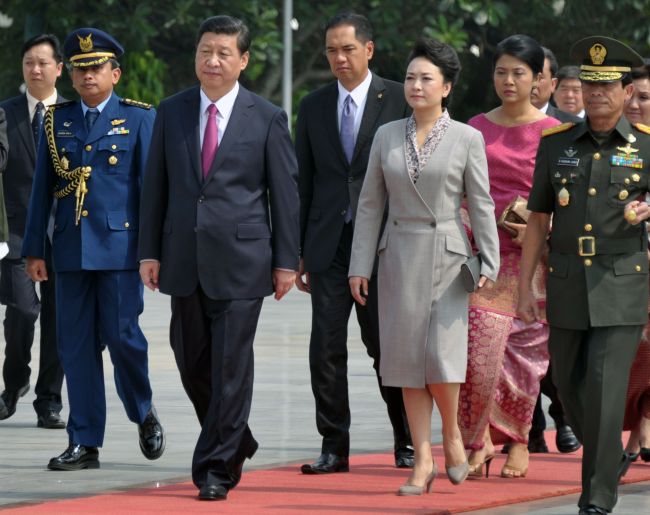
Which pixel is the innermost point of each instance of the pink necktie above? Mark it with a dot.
(210, 143)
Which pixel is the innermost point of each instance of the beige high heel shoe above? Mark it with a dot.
(459, 473)
(407, 489)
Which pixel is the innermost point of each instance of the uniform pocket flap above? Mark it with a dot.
(558, 264)
(67, 146)
(636, 263)
(114, 144)
(457, 246)
(253, 231)
(120, 221)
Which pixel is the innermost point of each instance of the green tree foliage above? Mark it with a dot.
(159, 37)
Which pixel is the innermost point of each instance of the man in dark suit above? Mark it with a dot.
(91, 158)
(565, 440)
(335, 128)
(42, 65)
(221, 168)
(542, 93)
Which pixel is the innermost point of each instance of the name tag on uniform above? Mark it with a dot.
(64, 134)
(568, 161)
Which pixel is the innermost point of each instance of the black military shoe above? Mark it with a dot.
(593, 510)
(405, 457)
(76, 457)
(152, 436)
(9, 399)
(537, 443)
(213, 493)
(565, 440)
(327, 463)
(50, 420)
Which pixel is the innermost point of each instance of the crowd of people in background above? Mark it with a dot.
(487, 262)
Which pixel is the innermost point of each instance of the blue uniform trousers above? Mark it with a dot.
(95, 309)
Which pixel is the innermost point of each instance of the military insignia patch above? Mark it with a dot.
(118, 121)
(598, 52)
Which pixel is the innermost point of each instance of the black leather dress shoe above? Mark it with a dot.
(9, 399)
(537, 443)
(152, 436)
(213, 493)
(405, 457)
(76, 457)
(593, 510)
(327, 463)
(236, 475)
(565, 440)
(50, 420)
(645, 454)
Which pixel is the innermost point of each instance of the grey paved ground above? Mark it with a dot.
(282, 419)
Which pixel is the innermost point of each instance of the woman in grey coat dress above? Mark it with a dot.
(422, 167)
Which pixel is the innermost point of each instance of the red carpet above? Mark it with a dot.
(369, 487)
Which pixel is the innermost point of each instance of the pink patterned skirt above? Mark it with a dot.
(506, 361)
(637, 404)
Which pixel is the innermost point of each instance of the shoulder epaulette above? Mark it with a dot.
(63, 104)
(135, 103)
(557, 129)
(642, 128)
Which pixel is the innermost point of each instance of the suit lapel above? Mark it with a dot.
(331, 122)
(236, 126)
(190, 119)
(24, 124)
(374, 102)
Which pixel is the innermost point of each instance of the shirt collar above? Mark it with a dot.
(358, 94)
(99, 107)
(32, 101)
(623, 128)
(544, 108)
(224, 105)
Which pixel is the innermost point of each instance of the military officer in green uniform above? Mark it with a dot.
(591, 178)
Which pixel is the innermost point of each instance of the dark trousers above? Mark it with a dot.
(97, 309)
(328, 354)
(18, 293)
(591, 370)
(555, 409)
(212, 342)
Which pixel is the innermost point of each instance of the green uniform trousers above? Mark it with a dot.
(591, 369)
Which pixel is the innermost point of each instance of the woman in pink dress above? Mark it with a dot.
(637, 405)
(507, 358)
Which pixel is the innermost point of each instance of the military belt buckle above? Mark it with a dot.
(590, 243)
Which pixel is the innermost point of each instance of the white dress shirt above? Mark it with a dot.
(224, 110)
(31, 102)
(359, 95)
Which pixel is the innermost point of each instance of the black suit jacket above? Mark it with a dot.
(563, 116)
(4, 151)
(19, 173)
(229, 231)
(328, 183)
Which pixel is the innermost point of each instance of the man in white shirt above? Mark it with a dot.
(335, 128)
(42, 63)
(221, 167)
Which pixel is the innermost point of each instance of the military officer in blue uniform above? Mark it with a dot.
(91, 158)
(592, 178)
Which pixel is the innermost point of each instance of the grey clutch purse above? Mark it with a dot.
(470, 273)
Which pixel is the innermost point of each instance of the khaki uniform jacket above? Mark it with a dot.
(598, 264)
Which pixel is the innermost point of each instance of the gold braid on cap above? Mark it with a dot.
(76, 178)
(600, 76)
